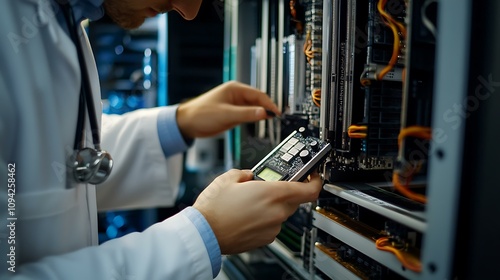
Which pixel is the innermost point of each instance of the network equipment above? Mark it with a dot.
(370, 221)
(358, 75)
(388, 84)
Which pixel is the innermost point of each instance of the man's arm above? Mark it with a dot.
(146, 148)
(172, 249)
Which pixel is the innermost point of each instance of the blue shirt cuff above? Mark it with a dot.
(208, 237)
(170, 137)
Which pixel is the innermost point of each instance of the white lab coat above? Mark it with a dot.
(56, 227)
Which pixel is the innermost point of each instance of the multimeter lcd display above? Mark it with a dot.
(267, 174)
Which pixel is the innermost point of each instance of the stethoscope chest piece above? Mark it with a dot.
(90, 166)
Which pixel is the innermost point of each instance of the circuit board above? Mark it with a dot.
(293, 159)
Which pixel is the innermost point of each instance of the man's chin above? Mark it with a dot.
(130, 24)
(122, 18)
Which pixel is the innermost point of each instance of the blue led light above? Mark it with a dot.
(118, 221)
(112, 232)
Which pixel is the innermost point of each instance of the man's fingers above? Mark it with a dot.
(294, 192)
(243, 114)
(306, 191)
(246, 95)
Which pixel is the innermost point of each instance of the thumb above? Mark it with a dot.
(305, 192)
(235, 176)
(221, 182)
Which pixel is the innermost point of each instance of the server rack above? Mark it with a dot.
(423, 121)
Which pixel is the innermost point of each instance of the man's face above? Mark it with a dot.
(132, 13)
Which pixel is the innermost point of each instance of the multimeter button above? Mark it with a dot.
(286, 147)
(293, 151)
(293, 141)
(287, 157)
(314, 145)
(304, 132)
(299, 146)
(305, 156)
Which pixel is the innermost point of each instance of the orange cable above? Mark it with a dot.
(403, 189)
(418, 132)
(415, 131)
(356, 135)
(409, 261)
(316, 97)
(357, 131)
(393, 25)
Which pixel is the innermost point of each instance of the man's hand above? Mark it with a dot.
(222, 108)
(246, 214)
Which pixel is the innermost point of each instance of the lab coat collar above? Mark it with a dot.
(86, 9)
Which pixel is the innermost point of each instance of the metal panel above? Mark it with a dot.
(332, 268)
(362, 244)
(326, 66)
(445, 161)
(403, 216)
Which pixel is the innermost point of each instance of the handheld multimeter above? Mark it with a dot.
(293, 159)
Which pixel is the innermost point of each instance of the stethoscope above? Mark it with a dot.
(85, 165)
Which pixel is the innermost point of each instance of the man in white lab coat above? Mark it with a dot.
(48, 222)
